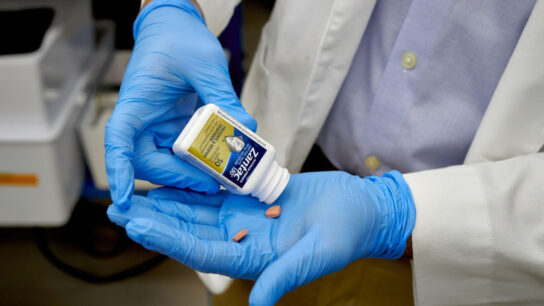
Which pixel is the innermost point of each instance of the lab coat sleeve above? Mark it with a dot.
(479, 233)
(217, 13)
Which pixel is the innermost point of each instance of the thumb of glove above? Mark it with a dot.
(294, 268)
(214, 86)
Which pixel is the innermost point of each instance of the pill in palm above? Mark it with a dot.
(240, 235)
(273, 212)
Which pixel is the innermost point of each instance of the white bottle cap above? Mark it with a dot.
(273, 184)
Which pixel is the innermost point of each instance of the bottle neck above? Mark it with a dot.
(273, 184)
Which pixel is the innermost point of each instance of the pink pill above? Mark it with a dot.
(273, 212)
(240, 235)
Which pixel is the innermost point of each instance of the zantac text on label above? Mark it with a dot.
(227, 150)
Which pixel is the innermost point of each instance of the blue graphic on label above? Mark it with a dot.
(244, 157)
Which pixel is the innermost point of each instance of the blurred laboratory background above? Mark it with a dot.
(61, 66)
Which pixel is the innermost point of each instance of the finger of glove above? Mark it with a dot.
(166, 133)
(214, 87)
(187, 196)
(202, 255)
(196, 214)
(164, 168)
(119, 169)
(121, 131)
(143, 209)
(168, 129)
(296, 267)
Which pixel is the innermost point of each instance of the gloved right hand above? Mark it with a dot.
(328, 220)
(176, 62)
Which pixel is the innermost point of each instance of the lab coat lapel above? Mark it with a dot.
(513, 124)
(345, 27)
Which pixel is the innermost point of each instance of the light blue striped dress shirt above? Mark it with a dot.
(424, 117)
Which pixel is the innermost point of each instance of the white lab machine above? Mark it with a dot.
(42, 93)
(51, 120)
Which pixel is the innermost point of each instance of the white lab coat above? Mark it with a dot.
(479, 233)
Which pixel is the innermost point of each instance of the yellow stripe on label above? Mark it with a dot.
(210, 145)
(18, 179)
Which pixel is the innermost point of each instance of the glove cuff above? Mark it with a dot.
(185, 5)
(399, 218)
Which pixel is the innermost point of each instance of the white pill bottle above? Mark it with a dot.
(237, 158)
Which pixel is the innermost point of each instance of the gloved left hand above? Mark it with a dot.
(329, 219)
(176, 65)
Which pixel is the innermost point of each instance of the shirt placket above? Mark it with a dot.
(396, 92)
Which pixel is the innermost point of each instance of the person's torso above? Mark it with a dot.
(420, 83)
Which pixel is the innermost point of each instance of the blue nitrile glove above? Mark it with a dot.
(328, 220)
(175, 58)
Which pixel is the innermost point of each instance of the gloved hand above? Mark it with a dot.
(328, 220)
(175, 61)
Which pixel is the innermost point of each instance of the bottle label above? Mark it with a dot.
(227, 150)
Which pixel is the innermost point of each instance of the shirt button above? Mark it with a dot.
(372, 162)
(409, 60)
